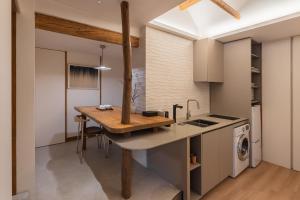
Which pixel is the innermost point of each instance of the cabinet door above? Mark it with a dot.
(225, 152)
(200, 60)
(210, 161)
(208, 61)
(215, 65)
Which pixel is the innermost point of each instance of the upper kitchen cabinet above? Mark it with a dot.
(208, 61)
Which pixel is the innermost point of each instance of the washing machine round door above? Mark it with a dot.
(243, 147)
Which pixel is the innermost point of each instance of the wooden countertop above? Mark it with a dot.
(111, 120)
(148, 140)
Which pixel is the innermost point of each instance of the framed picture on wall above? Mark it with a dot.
(83, 77)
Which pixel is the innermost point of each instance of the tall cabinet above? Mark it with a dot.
(233, 96)
(241, 88)
(240, 93)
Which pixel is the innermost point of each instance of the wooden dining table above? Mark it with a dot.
(111, 121)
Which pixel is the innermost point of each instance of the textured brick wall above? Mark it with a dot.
(169, 74)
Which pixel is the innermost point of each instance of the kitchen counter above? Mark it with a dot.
(147, 139)
(168, 151)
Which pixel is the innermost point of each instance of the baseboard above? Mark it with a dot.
(21, 196)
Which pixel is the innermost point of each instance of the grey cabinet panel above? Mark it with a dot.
(233, 97)
(215, 72)
(226, 152)
(208, 61)
(210, 160)
(217, 157)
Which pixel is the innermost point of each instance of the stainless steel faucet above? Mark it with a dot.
(188, 112)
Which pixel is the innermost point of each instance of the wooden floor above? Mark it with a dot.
(266, 182)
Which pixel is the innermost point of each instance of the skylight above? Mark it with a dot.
(205, 19)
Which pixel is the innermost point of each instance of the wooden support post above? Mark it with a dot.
(126, 173)
(127, 63)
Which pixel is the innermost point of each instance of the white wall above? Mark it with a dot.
(169, 74)
(5, 103)
(111, 86)
(78, 97)
(25, 97)
(112, 81)
(50, 97)
(276, 102)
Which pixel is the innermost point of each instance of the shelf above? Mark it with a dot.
(255, 72)
(195, 195)
(254, 55)
(194, 166)
(255, 101)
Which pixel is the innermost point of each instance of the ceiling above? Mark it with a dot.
(205, 19)
(58, 41)
(278, 29)
(107, 14)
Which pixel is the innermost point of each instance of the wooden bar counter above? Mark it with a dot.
(111, 121)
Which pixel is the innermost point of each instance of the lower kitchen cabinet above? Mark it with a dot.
(217, 155)
(210, 156)
(226, 152)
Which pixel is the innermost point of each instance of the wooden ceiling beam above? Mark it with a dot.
(227, 8)
(59, 25)
(188, 3)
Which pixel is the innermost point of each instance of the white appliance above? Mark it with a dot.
(255, 137)
(241, 145)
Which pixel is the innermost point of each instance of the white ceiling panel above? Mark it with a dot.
(208, 20)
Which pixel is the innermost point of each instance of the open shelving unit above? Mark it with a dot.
(255, 73)
(195, 169)
(194, 166)
(195, 195)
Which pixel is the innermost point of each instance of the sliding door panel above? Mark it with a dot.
(50, 97)
(296, 103)
(276, 102)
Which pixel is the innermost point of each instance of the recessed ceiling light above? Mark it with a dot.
(99, 1)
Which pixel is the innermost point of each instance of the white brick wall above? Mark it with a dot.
(169, 74)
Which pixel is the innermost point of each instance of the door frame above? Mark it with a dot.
(14, 11)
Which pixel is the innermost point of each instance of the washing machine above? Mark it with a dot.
(241, 147)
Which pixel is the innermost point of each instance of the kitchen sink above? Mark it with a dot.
(201, 123)
(223, 117)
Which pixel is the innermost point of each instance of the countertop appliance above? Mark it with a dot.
(255, 136)
(241, 145)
